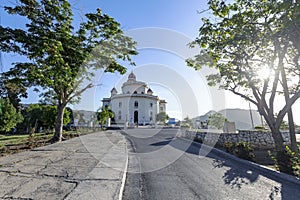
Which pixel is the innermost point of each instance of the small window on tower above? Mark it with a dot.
(120, 104)
(151, 105)
(120, 115)
(135, 92)
(136, 104)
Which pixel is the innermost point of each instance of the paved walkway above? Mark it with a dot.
(88, 167)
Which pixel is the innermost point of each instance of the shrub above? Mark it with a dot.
(287, 161)
(229, 147)
(241, 149)
(244, 150)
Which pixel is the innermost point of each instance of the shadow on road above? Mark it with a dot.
(238, 174)
(163, 143)
(236, 178)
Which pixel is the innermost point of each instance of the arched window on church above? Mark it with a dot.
(136, 104)
(135, 92)
(142, 92)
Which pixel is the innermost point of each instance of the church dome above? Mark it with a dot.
(132, 76)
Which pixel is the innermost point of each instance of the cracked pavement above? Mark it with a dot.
(88, 167)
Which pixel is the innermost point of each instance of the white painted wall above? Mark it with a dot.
(126, 105)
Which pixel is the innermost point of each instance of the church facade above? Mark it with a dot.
(135, 104)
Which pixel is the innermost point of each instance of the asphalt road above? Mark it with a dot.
(162, 166)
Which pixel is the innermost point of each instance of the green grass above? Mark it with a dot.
(21, 142)
(17, 139)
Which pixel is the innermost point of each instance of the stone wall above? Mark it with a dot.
(257, 139)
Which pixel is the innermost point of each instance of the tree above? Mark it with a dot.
(9, 117)
(48, 117)
(60, 57)
(14, 90)
(105, 113)
(217, 120)
(291, 32)
(162, 117)
(32, 118)
(249, 39)
(37, 115)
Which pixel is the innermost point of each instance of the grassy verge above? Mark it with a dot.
(7, 140)
(10, 144)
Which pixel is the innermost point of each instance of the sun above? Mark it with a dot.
(264, 72)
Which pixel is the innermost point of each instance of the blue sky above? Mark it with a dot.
(162, 28)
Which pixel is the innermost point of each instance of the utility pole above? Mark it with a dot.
(1, 70)
(251, 116)
(1, 64)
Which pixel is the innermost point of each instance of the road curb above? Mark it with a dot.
(124, 173)
(260, 168)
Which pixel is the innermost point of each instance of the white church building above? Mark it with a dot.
(135, 104)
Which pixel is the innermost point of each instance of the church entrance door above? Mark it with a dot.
(136, 117)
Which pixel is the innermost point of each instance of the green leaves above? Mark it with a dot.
(246, 36)
(240, 39)
(9, 117)
(43, 115)
(217, 120)
(105, 113)
(61, 57)
(162, 117)
(58, 53)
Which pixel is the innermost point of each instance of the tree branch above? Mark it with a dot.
(78, 93)
(288, 106)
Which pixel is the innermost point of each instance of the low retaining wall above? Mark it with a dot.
(257, 139)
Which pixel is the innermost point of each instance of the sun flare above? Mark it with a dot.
(264, 73)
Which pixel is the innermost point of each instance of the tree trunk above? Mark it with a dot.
(274, 125)
(278, 139)
(294, 146)
(292, 132)
(282, 161)
(59, 123)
